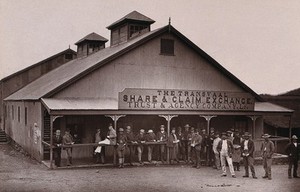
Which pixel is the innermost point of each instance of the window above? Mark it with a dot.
(19, 114)
(5, 111)
(25, 115)
(136, 30)
(12, 112)
(167, 46)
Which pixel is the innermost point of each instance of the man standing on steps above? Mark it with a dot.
(267, 149)
(247, 148)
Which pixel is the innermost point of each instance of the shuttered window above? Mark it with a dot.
(167, 47)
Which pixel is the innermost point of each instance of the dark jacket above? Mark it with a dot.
(56, 142)
(161, 136)
(171, 139)
(251, 147)
(150, 137)
(197, 140)
(229, 147)
(130, 137)
(269, 146)
(121, 141)
(292, 151)
(140, 137)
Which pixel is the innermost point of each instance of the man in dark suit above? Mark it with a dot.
(57, 141)
(172, 143)
(247, 148)
(292, 150)
(267, 149)
(161, 136)
(196, 145)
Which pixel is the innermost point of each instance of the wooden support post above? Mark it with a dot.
(52, 119)
(51, 141)
(168, 118)
(290, 127)
(115, 118)
(253, 118)
(208, 118)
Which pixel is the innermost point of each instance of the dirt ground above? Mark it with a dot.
(19, 173)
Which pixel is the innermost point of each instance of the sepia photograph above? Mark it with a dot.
(149, 96)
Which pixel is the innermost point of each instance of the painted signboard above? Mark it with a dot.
(167, 99)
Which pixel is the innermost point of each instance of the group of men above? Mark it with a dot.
(189, 145)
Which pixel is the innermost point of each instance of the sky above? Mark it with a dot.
(258, 41)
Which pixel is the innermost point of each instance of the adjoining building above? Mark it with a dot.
(18, 80)
(144, 79)
(283, 126)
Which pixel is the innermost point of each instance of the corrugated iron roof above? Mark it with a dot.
(133, 16)
(80, 104)
(270, 107)
(72, 104)
(39, 63)
(72, 70)
(92, 37)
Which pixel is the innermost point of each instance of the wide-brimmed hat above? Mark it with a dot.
(121, 129)
(294, 137)
(187, 125)
(162, 126)
(150, 131)
(246, 134)
(224, 133)
(230, 132)
(266, 135)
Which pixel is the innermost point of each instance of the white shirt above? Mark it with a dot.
(224, 146)
(295, 144)
(215, 144)
(246, 144)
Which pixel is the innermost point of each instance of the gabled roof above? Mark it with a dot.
(70, 72)
(39, 63)
(133, 16)
(92, 37)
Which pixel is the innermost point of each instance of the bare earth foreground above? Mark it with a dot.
(20, 173)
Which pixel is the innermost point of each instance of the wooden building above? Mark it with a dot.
(18, 80)
(144, 79)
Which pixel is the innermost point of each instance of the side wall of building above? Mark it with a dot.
(24, 125)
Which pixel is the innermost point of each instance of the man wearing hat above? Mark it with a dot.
(292, 150)
(161, 136)
(172, 143)
(196, 145)
(216, 152)
(140, 138)
(184, 142)
(121, 143)
(68, 141)
(267, 149)
(247, 148)
(225, 148)
(150, 137)
(131, 140)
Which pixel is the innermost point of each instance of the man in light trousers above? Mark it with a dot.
(225, 147)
